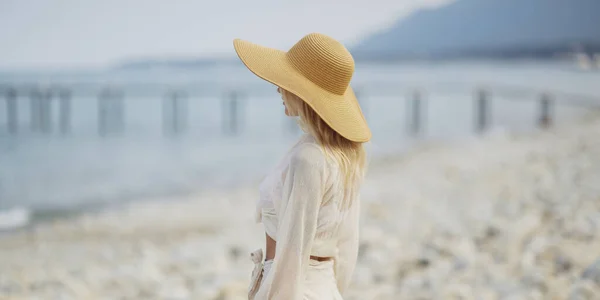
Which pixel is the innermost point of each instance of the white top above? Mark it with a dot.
(301, 207)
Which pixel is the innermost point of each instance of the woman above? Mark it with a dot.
(309, 204)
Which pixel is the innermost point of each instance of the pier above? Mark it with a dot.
(50, 109)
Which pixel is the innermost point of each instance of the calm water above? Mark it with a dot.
(48, 172)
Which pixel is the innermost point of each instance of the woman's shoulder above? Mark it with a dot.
(308, 153)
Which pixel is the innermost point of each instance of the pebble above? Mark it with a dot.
(592, 272)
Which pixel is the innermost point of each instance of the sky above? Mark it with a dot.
(86, 33)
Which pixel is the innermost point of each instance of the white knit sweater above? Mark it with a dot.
(301, 208)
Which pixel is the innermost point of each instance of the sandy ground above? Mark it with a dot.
(499, 217)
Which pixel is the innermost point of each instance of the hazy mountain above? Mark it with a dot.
(489, 28)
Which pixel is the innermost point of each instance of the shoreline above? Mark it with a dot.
(47, 215)
(512, 215)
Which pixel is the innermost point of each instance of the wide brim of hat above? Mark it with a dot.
(341, 112)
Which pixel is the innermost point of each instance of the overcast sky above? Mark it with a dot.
(86, 33)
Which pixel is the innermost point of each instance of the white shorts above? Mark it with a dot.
(319, 284)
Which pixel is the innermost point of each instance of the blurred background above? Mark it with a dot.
(131, 135)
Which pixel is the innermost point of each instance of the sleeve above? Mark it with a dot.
(345, 261)
(301, 199)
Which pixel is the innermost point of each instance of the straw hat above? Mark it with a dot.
(318, 69)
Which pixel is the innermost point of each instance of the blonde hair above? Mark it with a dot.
(349, 155)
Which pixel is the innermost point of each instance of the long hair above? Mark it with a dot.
(350, 156)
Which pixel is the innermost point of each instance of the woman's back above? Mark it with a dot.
(322, 173)
(315, 217)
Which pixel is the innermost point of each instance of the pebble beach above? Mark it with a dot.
(503, 216)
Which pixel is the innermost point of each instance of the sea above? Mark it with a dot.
(49, 174)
